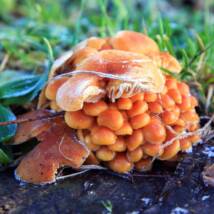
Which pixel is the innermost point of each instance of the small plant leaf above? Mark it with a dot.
(6, 132)
(21, 90)
(11, 75)
(18, 87)
(4, 158)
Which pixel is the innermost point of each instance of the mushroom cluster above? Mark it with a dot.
(124, 108)
(116, 107)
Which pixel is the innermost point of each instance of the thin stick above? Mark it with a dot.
(4, 62)
(202, 131)
(72, 175)
(151, 176)
(84, 169)
(24, 120)
(90, 167)
(200, 52)
(209, 97)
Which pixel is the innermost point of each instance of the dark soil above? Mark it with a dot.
(166, 189)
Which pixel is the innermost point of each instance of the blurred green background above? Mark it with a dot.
(181, 27)
(34, 33)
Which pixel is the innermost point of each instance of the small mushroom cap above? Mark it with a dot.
(92, 43)
(166, 61)
(77, 90)
(134, 42)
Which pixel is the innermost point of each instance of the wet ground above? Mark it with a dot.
(176, 189)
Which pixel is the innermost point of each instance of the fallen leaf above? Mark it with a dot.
(28, 130)
(59, 147)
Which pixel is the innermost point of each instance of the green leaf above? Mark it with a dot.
(4, 158)
(30, 96)
(22, 89)
(18, 87)
(6, 132)
(211, 80)
(10, 75)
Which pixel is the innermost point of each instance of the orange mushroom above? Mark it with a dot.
(120, 103)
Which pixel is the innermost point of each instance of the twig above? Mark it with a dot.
(90, 167)
(209, 97)
(4, 62)
(24, 120)
(71, 175)
(202, 131)
(199, 53)
(204, 117)
(83, 169)
(104, 75)
(205, 130)
(151, 176)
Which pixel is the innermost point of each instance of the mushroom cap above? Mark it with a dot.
(131, 61)
(138, 70)
(134, 42)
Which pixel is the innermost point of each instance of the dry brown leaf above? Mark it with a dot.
(28, 130)
(59, 147)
